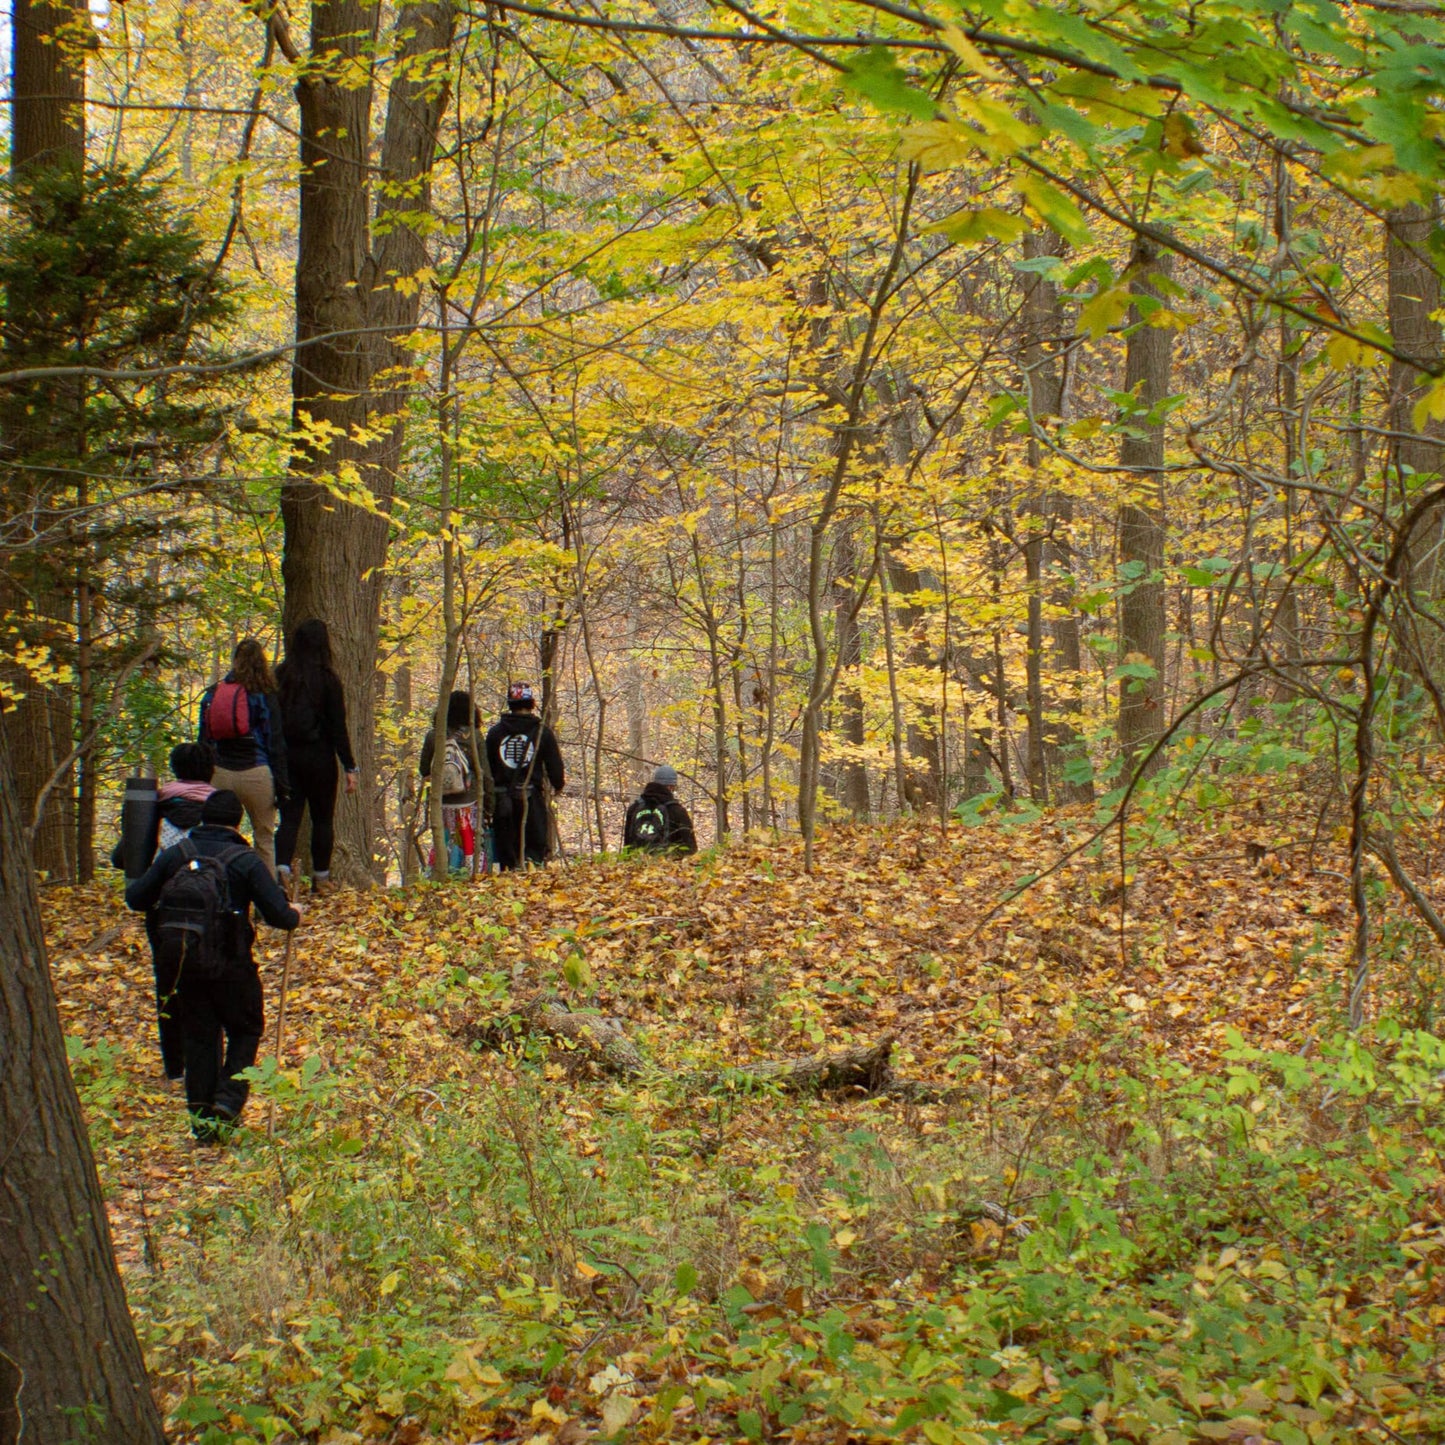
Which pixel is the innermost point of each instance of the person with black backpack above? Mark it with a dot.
(463, 823)
(656, 821)
(313, 713)
(523, 756)
(178, 812)
(241, 721)
(201, 892)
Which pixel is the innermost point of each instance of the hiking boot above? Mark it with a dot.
(322, 888)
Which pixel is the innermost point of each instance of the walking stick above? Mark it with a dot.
(281, 1025)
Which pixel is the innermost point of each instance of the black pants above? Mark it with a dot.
(168, 1007)
(224, 1019)
(507, 829)
(314, 777)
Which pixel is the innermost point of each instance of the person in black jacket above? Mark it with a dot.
(657, 821)
(523, 756)
(249, 742)
(230, 1005)
(460, 814)
(180, 804)
(313, 712)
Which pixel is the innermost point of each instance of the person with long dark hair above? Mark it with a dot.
(463, 824)
(313, 706)
(241, 722)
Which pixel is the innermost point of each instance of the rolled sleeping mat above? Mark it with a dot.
(139, 824)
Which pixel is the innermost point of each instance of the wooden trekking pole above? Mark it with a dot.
(281, 1025)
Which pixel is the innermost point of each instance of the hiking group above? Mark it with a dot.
(274, 746)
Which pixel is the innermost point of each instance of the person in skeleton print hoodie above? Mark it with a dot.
(523, 757)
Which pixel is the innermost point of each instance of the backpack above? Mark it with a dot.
(229, 715)
(456, 769)
(193, 914)
(650, 826)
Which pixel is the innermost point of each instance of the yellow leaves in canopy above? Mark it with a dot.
(980, 127)
(1053, 208)
(1344, 351)
(1431, 406)
(987, 224)
(1104, 311)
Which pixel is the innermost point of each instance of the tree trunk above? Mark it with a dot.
(1141, 524)
(47, 87)
(66, 1337)
(850, 697)
(1043, 384)
(47, 84)
(1414, 298)
(335, 550)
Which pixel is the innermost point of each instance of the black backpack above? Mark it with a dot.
(650, 826)
(194, 921)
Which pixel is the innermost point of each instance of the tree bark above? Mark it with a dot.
(1414, 298)
(1142, 621)
(70, 1364)
(1046, 552)
(47, 87)
(47, 84)
(349, 428)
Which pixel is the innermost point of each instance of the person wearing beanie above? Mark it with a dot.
(657, 821)
(228, 1008)
(523, 758)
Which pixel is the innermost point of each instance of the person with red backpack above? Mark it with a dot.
(199, 895)
(241, 720)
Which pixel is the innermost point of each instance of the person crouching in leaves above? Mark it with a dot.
(522, 752)
(202, 890)
(657, 821)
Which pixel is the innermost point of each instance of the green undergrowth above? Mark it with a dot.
(511, 1249)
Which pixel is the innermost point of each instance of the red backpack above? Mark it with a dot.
(229, 715)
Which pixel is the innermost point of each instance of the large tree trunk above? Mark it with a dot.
(70, 1364)
(1141, 525)
(47, 86)
(335, 551)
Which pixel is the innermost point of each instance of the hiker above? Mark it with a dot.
(657, 821)
(462, 790)
(201, 892)
(179, 810)
(240, 719)
(522, 754)
(313, 718)
(178, 802)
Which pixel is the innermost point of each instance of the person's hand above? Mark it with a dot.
(352, 782)
(301, 912)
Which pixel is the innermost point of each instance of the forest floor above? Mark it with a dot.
(1148, 1190)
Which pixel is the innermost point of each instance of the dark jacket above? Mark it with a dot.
(468, 795)
(681, 837)
(309, 725)
(263, 747)
(248, 878)
(512, 742)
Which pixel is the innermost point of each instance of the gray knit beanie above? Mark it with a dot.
(666, 775)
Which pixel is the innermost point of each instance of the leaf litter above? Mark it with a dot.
(1112, 1211)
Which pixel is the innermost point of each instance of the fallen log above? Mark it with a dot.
(865, 1069)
